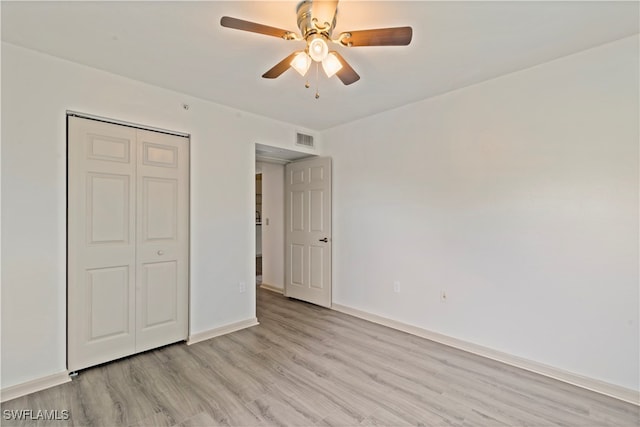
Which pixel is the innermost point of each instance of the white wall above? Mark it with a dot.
(519, 198)
(273, 232)
(36, 91)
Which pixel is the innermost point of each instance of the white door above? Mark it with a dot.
(162, 240)
(117, 293)
(101, 242)
(308, 231)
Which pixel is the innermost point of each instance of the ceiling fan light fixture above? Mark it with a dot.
(331, 64)
(301, 63)
(316, 22)
(318, 49)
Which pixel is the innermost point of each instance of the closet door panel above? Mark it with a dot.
(160, 205)
(108, 302)
(101, 241)
(160, 294)
(108, 209)
(162, 247)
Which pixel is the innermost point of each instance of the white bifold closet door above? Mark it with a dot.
(128, 241)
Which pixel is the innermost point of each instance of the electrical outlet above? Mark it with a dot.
(396, 286)
(443, 296)
(242, 287)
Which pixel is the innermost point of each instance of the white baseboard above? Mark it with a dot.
(272, 288)
(222, 330)
(28, 387)
(612, 390)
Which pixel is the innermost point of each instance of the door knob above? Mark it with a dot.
(160, 252)
(323, 240)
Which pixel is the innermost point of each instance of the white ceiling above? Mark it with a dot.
(181, 46)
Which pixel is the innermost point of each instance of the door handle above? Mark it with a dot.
(160, 252)
(323, 240)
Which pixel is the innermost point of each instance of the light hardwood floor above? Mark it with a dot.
(306, 366)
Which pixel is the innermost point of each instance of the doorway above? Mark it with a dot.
(270, 204)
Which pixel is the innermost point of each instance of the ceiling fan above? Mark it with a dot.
(316, 21)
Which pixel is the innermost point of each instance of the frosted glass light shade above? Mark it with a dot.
(331, 64)
(301, 63)
(318, 49)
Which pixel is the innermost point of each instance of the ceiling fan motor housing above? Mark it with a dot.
(310, 26)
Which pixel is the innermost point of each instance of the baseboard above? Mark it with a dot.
(612, 390)
(222, 330)
(38, 384)
(272, 288)
(32, 386)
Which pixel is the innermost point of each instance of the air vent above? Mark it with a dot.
(305, 140)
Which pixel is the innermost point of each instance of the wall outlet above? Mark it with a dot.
(242, 287)
(443, 296)
(396, 286)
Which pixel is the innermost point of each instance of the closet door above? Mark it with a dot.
(163, 240)
(101, 242)
(128, 241)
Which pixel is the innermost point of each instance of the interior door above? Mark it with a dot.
(128, 238)
(308, 231)
(101, 242)
(163, 240)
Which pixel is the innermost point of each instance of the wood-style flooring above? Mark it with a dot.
(309, 366)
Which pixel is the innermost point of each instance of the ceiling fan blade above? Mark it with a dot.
(239, 24)
(397, 36)
(280, 67)
(324, 11)
(346, 74)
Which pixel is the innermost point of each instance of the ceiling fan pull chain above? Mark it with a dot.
(317, 79)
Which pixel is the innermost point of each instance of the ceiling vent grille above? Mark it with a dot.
(304, 140)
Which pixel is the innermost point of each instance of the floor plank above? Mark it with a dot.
(308, 366)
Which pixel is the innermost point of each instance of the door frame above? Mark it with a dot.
(274, 159)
